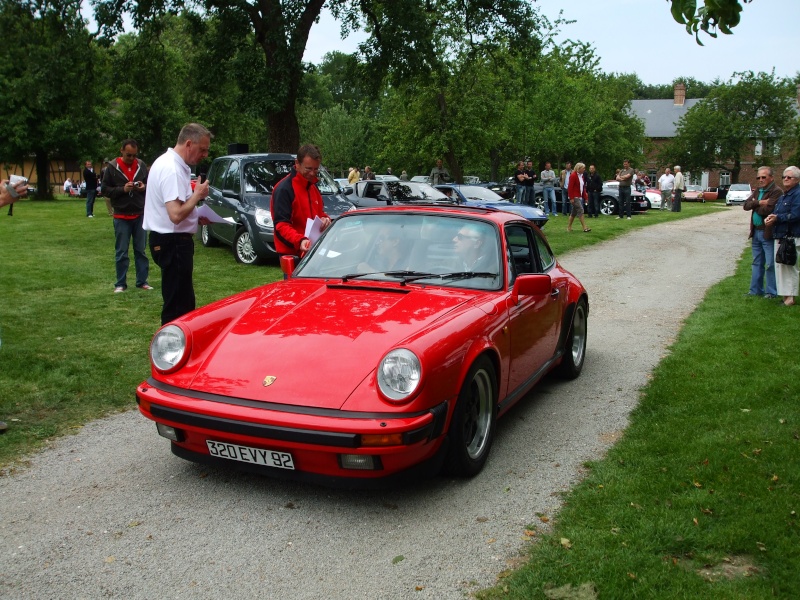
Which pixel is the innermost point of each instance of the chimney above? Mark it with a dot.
(680, 94)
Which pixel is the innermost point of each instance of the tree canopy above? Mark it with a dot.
(52, 86)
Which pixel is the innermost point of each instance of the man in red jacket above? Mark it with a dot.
(296, 199)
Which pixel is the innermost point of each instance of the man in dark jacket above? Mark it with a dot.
(124, 183)
(90, 179)
(594, 185)
(762, 202)
(296, 199)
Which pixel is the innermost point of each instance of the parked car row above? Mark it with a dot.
(240, 188)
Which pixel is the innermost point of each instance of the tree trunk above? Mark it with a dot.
(494, 164)
(737, 167)
(284, 129)
(449, 153)
(43, 191)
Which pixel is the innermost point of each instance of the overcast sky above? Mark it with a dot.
(639, 36)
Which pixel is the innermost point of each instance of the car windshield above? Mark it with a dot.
(694, 188)
(411, 190)
(261, 176)
(325, 182)
(407, 248)
(476, 192)
(740, 187)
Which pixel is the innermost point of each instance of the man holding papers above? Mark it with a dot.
(295, 200)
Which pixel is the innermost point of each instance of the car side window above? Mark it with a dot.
(521, 256)
(232, 179)
(216, 174)
(546, 257)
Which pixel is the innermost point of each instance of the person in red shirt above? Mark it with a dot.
(296, 199)
(124, 183)
(576, 190)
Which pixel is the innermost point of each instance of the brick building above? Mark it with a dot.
(660, 118)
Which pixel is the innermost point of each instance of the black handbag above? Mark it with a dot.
(787, 252)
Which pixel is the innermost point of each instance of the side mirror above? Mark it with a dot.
(531, 285)
(288, 264)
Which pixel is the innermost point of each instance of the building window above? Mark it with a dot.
(724, 177)
(653, 175)
(759, 149)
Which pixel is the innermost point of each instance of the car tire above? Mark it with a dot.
(575, 343)
(243, 248)
(608, 206)
(472, 428)
(206, 238)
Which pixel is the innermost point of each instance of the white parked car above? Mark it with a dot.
(738, 193)
(652, 194)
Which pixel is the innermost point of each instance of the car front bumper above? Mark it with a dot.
(321, 442)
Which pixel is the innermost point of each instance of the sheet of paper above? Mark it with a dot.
(313, 229)
(204, 211)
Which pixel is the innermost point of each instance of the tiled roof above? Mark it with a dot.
(660, 117)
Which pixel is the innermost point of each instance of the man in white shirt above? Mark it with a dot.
(665, 184)
(170, 216)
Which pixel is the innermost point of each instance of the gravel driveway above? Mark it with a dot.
(110, 513)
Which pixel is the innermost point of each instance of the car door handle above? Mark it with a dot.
(555, 293)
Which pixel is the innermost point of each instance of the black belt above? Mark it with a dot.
(180, 236)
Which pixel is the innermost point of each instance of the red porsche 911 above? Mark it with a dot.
(391, 350)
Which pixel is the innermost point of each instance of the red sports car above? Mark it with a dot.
(391, 349)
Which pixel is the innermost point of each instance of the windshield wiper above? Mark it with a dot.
(398, 274)
(450, 276)
(411, 276)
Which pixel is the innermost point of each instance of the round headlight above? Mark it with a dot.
(264, 218)
(399, 374)
(168, 348)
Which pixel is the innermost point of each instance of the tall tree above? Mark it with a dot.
(281, 30)
(51, 99)
(719, 131)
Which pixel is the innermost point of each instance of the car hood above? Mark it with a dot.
(318, 341)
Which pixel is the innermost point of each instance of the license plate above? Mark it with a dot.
(256, 456)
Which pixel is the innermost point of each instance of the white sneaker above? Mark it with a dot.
(619, 217)
(119, 289)
(629, 218)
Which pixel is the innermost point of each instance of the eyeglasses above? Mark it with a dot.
(761, 177)
(789, 177)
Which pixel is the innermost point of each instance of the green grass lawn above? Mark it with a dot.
(698, 499)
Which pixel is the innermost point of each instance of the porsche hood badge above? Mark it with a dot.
(269, 380)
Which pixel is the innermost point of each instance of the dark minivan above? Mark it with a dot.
(240, 188)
